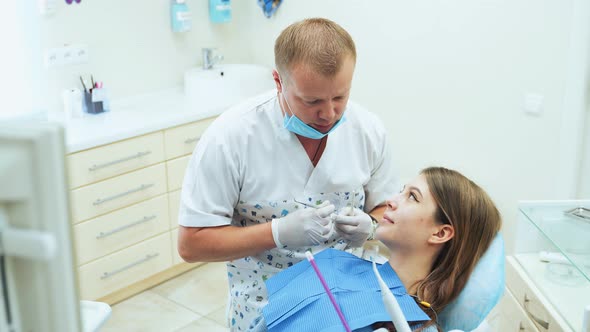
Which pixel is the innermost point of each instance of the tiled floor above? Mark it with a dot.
(193, 301)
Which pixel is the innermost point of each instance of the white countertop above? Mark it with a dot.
(131, 117)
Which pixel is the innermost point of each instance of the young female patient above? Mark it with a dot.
(436, 229)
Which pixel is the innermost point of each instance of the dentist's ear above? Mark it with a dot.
(277, 78)
(442, 234)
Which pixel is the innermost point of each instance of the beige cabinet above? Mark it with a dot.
(175, 170)
(124, 206)
(111, 160)
(173, 203)
(181, 140)
(122, 268)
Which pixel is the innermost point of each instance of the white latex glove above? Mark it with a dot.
(356, 227)
(306, 227)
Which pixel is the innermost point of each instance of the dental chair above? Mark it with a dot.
(481, 293)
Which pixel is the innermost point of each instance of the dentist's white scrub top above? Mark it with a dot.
(248, 169)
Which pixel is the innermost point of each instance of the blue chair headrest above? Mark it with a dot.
(481, 293)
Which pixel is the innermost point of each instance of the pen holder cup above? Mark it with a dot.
(96, 101)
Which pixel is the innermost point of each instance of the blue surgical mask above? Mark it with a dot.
(295, 125)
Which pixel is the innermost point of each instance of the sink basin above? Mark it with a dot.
(225, 85)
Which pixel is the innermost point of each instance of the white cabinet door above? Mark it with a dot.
(508, 316)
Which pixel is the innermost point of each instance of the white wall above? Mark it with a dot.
(448, 78)
(21, 89)
(131, 46)
(584, 189)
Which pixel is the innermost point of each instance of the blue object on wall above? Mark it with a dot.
(220, 11)
(269, 7)
(180, 16)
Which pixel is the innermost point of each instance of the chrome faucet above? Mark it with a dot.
(208, 59)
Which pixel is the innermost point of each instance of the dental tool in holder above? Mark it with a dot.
(559, 258)
(391, 305)
(553, 257)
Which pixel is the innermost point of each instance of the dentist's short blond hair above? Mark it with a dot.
(318, 43)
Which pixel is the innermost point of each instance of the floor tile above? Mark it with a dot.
(203, 290)
(148, 312)
(203, 324)
(219, 315)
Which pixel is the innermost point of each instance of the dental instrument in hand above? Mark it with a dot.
(327, 289)
(309, 204)
(391, 305)
(324, 203)
(352, 204)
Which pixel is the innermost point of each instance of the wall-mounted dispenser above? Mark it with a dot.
(219, 11)
(180, 16)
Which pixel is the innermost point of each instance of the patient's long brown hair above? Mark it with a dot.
(475, 219)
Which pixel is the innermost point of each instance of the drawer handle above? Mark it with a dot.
(118, 229)
(140, 188)
(537, 320)
(191, 140)
(128, 266)
(118, 161)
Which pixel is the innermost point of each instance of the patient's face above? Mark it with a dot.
(409, 219)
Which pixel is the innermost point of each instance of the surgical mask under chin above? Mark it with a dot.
(295, 125)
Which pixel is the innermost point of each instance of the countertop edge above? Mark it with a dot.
(93, 142)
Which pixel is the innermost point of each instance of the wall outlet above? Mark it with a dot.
(47, 7)
(533, 103)
(67, 55)
(53, 57)
(81, 54)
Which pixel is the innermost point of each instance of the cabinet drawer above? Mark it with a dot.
(176, 169)
(508, 316)
(174, 205)
(115, 193)
(176, 259)
(181, 140)
(535, 305)
(125, 267)
(117, 230)
(110, 160)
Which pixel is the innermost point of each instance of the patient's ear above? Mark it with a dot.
(443, 233)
